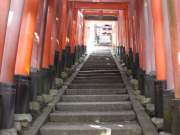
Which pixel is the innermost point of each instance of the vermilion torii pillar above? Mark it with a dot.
(63, 33)
(7, 89)
(23, 58)
(36, 76)
(160, 56)
(39, 36)
(73, 34)
(45, 65)
(4, 10)
(174, 19)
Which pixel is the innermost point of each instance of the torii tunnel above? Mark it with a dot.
(40, 39)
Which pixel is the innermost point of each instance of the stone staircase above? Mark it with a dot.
(95, 103)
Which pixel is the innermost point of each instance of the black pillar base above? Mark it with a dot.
(64, 60)
(52, 75)
(36, 84)
(168, 96)
(136, 66)
(176, 117)
(22, 94)
(46, 80)
(141, 77)
(149, 87)
(73, 59)
(160, 86)
(68, 57)
(7, 104)
(56, 63)
(121, 52)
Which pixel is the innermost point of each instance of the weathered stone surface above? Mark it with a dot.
(146, 101)
(59, 82)
(8, 132)
(64, 75)
(39, 99)
(47, 98)
(18, 126)
(35, 106)
(53, 92)
(25, 124)
(158, 122)
(23, 117)
(137, 92)
(150, 108)
(129, 72)
(164, 133)
(134, 83)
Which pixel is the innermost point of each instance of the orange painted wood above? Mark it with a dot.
(101, 12)
(73, 33)
(24, 53)
(40, 31)
(11, 41)
(159, 39)
(4, 10)
(47, 42)
(101, 5)
(54, 35)
(63, 24)
(175, 41)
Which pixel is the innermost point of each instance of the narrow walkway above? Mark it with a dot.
(96, 102)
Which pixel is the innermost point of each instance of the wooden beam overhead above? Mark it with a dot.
(96, 5)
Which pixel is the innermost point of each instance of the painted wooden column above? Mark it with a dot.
(175, 40)
(23, 58)
(74, 24)
(4, 10)
(160, 56)
(63, 34)
(45, 65)
(73, 34)
(174, 24)
(47, 43)
(55, 27)
(39, 36)
(35, 74)
(55, 47)
(7, 89)
(149, 51)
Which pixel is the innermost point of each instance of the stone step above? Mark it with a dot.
(85, 117)
(100, 71)
(95, 85)
(93, 98)
(98, 77)
(98, 74)
(93, 106)
(95, 91)
(91, 129)
(99, 68)
(98, 81)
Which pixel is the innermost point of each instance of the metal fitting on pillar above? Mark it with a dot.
(160, 87)
(7, 104)
(22, 94)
